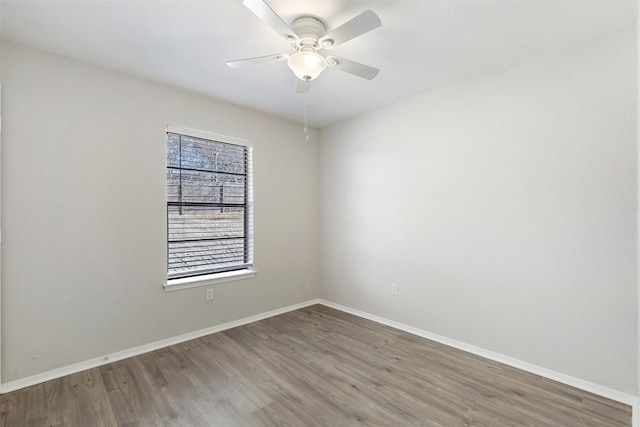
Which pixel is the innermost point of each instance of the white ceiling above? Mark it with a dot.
(421, 44)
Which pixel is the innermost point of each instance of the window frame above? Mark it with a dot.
(206, 279)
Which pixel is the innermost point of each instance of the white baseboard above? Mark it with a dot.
(510, 361)
(113, 357)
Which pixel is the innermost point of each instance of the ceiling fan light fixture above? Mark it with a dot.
(307, 35)
(307, 64)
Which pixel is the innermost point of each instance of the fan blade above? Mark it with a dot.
(361, 24)
(258, 60)
(302, 86)
(352, 67)
(268, 15)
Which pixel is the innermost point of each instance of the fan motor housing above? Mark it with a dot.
(309, 29)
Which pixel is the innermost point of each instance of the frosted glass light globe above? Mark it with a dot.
(307, 64)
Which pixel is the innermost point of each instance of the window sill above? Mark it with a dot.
(208, 279)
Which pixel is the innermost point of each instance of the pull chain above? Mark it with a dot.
(306, 119)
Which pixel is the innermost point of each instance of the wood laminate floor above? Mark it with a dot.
(310, 367)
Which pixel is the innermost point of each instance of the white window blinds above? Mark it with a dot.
(209, 213)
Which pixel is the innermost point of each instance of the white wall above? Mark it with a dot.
(637, 418)
(505, 209)
(84, 215)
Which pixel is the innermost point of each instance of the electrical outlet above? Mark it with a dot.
(394, 289)
(209, 294)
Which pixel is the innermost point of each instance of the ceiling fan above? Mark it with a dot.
(308, 36)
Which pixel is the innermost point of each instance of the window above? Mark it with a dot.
(209, 206)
